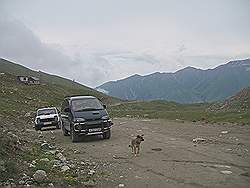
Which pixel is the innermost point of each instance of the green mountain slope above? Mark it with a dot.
(237, 103)
(236, 109)
(19, 70)
(50, 92)
(17, 99)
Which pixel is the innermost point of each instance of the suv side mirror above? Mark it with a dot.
(104, 106)
(66, 110)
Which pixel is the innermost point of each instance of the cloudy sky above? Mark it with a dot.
(94, 41)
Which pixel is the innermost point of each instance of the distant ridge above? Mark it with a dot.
(188, 85)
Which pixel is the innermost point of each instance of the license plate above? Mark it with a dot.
(47, 123)
(95, 129)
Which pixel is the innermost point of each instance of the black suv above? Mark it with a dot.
(83, 116)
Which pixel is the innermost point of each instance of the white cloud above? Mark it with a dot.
(97, 41)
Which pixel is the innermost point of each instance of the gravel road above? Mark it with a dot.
(169, 157)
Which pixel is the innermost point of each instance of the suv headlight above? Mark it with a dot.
(79, 120)
(105, 118)
(77, 126)
(37, 120)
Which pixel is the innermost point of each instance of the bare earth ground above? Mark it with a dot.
(168, 156)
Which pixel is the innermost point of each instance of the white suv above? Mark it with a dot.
(46, 117)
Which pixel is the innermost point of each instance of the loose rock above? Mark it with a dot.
(247, 174)
(28, 114)
(156, 149)
(221, 166)
(32, 166)
(89, 183)
(45, 146)
(40, 176)
(14, 137)
(51, 185)
(61, 157)
(21, 182)
(2, 167)
(40, 136)
(224, 132)
(227, 172)
(64, 168)
(44, 160)
(53, 152)
(91, 172)
(199, 140)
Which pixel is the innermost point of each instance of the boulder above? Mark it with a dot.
(91, 172)
(40, 176)
(45, 146)
(227, 172)
(224, 132)
(89, 183)
(51, 185)
(199, 140)
(14, 137)
(61, 157)
(44, 160)
(28, 114)
(64, 168)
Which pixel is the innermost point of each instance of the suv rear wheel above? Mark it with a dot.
(58, 125)
(37, 128)
(107, 135)
(65, 132)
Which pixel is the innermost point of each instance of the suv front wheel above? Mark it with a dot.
(74, 136)
(107, 135)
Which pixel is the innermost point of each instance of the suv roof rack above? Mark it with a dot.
(79, 96)
(84, 96)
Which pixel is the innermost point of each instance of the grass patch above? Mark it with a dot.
(173, 111)
(8, 170)
(70, 180)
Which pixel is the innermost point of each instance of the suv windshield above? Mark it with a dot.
(86, 104)
(46, 112)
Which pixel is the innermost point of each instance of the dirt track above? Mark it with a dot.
(168, 157)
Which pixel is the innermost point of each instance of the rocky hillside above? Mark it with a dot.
(189, 85)
(27, 157)
(237, 103)
(53, 85)
(33, 159)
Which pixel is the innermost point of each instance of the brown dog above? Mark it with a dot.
(135, 144)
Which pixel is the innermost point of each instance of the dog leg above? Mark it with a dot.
(135, 151)
(138, 150)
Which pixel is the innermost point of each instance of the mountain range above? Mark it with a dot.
(188, 85)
